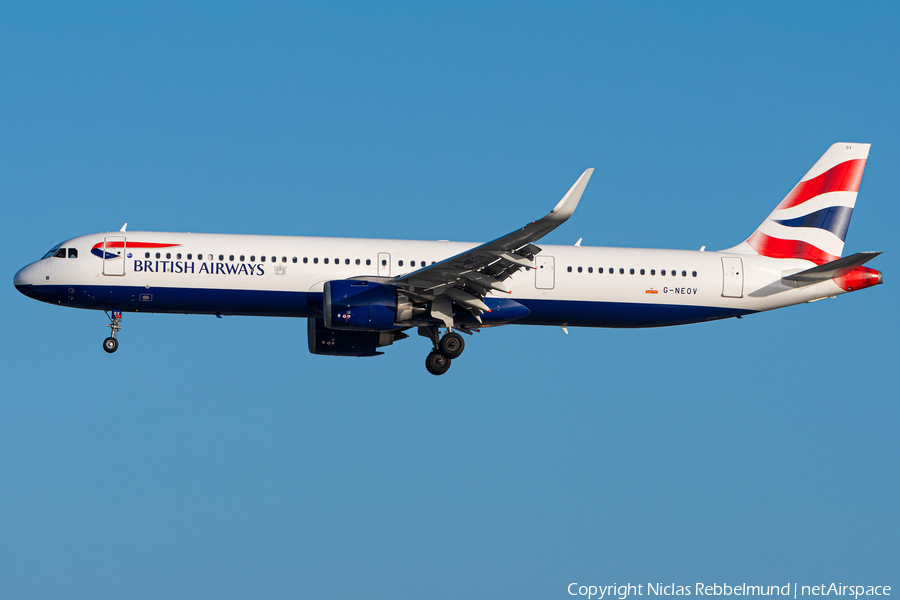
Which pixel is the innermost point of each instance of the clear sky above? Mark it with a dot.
(217, 458)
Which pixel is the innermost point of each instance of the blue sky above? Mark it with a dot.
(218, 458)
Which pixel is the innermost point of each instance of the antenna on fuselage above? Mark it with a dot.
(123, 227)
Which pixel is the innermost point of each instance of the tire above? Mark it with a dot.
(110, 344)
(452, 345)
(437, 363)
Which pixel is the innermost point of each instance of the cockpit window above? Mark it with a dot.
(51, 252)
(61, 253)
(73, 253)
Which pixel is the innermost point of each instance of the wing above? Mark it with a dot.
(469, 276)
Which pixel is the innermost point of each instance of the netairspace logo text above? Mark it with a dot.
(791, 590)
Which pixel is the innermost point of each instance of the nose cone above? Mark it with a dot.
(23, 280)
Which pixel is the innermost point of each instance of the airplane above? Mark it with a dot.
(359, 295)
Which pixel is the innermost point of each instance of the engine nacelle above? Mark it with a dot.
(347, 343)
(357, 305)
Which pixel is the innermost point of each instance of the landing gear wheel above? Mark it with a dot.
(437, 363)
(452, 345)
(111, 344)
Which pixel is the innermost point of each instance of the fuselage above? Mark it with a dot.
(192, 273)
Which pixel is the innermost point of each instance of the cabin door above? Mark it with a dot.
(384, 264)
(113, 255)
(732, 278)
(543, 272)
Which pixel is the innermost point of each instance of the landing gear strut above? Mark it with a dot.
(111, 344)
(446, 348)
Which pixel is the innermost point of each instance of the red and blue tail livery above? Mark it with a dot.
(362, 295)
(811, 222)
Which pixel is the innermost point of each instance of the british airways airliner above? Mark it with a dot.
(359, 295)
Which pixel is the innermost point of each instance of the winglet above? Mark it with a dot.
(569, 202)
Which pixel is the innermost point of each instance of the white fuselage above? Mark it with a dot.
(284, 276)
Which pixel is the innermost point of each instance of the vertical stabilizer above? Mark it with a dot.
(811, 222)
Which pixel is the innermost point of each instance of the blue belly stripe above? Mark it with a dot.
(580, 313)
(302, 304)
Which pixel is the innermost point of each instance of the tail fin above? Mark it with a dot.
(811, 222)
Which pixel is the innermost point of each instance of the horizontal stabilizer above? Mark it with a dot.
(835, 268)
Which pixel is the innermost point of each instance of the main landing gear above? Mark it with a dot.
(111, 344)
(445, 350)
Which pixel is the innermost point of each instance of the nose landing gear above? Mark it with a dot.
(111, 344)
(446, 348)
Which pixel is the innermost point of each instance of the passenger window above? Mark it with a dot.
(579, 269)
(284, 259)
(231, 257)
(221, 257)
(262, 259)
(305, 260)
(178, 256)
(190, 256)
(368, 261)
(422, 264)
(146, 255)
(241, 258)
(621, 271)
(590, 269)
(631, 271)
(315, 261)
(274, 259)
(294, 259)
(694, 273)
(642, 271)
(168, 255)
(252, 258)
(325, 260)
(653, 271)
(383, 263)
(600, 269)
(674, 273)
(684, 273)
(157, 255)
(209, 257)
(569, 269)
(400, 263)
(357, 261)
(346, 261)
(663, 272)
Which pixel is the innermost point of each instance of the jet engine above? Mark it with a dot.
(357, 305)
